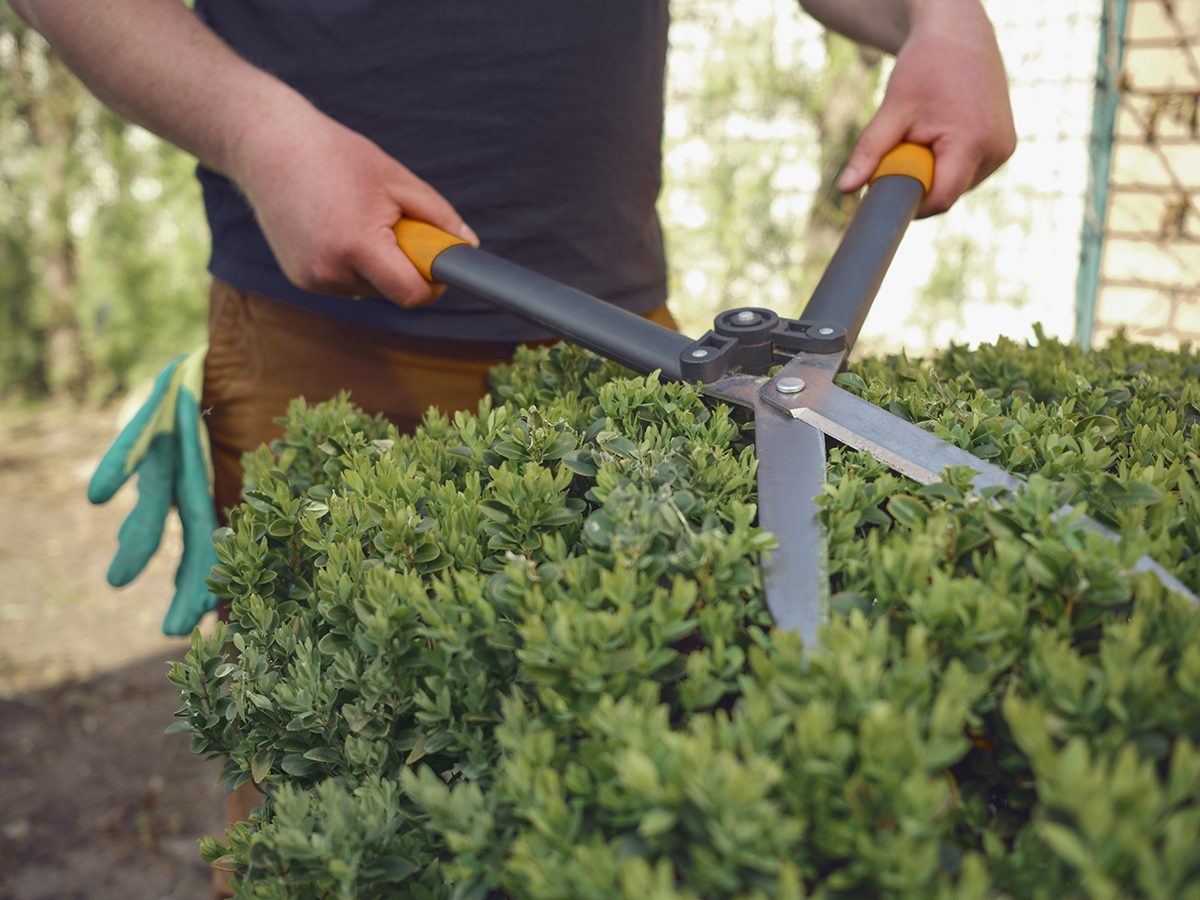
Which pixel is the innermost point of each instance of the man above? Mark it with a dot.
(317, 125)
(534, 124)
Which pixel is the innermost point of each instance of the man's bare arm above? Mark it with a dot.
(948, 89)
(154, 63)
(883, 24)
(325, 196)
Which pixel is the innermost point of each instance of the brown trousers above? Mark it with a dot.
(262, 353)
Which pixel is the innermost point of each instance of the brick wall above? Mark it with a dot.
(1150, 272)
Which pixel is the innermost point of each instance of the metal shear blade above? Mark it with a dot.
(793, 412)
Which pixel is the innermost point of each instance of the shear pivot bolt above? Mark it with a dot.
(826, 331)
(789, 385)
(747, 317)
(699, 353)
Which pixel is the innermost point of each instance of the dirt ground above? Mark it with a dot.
(95, 800)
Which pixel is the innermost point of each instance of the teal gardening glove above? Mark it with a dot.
(166, 444)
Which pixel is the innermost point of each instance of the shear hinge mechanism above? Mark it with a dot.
(749, 339)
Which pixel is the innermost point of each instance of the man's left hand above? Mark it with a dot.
(949, 91)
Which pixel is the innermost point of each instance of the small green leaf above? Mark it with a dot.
(390, 868)
(495, 511)
(323, 755)
(226, 863)
(851, 382)
(907, 510)
(561, 516)
(1065, 843)
(427, 552)
(940, 490)
(1043, 569)
(295, 764)
(260, 764)
(580, 462)
(656, 822)
(616, 444)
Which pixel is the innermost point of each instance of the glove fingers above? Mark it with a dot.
(192, 597)
(141, 532)
(193, 498)
(118, 463)
(193, 491)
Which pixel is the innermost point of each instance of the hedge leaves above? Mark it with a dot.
(524, 653)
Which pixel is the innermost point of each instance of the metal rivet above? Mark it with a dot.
(789, 385)
(825, 331)
(699, 353)
(747, 317)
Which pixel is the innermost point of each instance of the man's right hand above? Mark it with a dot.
(327, 197)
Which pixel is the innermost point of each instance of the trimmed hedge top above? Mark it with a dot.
(525, 654)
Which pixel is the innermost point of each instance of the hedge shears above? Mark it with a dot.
(796, 408)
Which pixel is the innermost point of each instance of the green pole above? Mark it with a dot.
(1109, 59)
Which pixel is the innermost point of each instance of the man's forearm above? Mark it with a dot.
(156, 64)
(884, 24)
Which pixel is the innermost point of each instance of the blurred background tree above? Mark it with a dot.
(763, 112)
(102, 242)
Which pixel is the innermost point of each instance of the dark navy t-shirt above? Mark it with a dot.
(539, 120)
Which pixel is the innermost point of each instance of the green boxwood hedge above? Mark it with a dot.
(524, 653)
